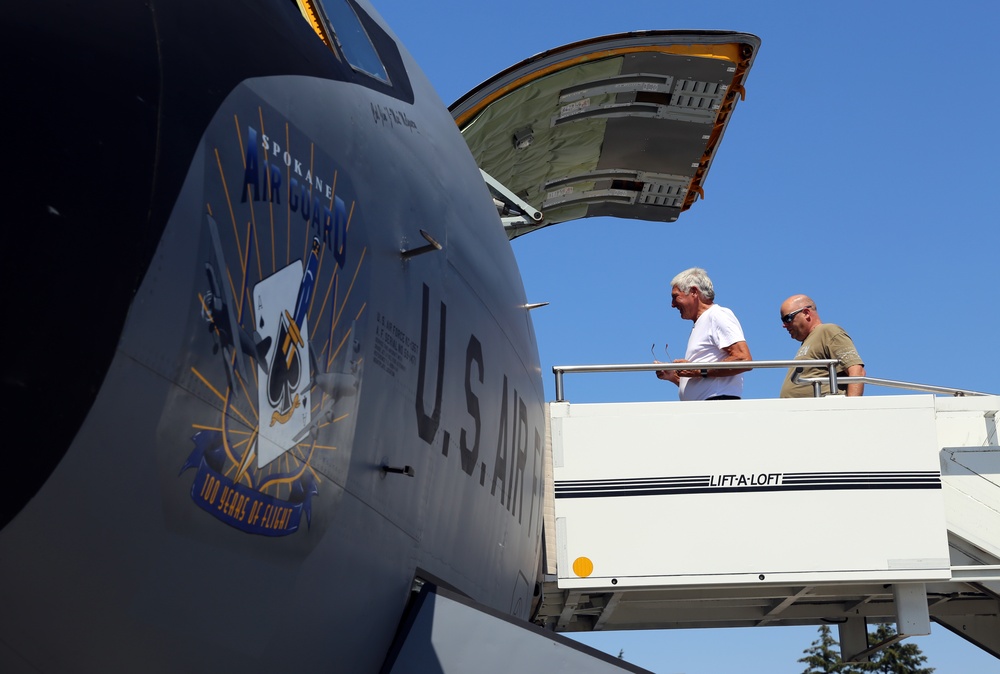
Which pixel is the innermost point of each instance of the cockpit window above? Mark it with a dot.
(336, 21)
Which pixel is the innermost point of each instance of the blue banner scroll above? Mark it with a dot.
(240, 506)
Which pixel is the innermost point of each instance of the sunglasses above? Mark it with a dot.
(790, 316)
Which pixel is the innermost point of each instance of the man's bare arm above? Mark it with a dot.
(734, 352)
(856, 389)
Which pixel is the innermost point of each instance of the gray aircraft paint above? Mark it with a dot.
(224, 504)
(164, 563)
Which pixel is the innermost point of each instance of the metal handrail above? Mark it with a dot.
(891, 383)
(560, 370)
(829, 363)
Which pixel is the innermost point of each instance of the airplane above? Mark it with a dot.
(275, 373)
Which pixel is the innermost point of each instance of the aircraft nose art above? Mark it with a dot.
(623, 125)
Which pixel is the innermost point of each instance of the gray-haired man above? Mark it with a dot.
(716, 337)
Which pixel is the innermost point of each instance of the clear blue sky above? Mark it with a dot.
(861, 169)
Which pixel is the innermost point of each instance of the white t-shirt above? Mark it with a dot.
(714, 330)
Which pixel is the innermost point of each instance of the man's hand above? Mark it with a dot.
(669, 375)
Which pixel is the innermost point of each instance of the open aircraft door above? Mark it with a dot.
(625, 125)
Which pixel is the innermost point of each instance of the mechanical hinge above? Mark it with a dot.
(514, 211)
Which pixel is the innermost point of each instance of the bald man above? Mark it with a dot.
(819, 341)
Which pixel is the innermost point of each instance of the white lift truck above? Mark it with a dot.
(827, 510)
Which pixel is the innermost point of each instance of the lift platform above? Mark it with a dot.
(833, 510)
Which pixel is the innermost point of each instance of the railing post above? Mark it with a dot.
(559, 385)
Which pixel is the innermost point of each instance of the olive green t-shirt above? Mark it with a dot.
(827, 340)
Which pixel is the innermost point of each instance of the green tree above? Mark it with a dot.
(901, 657)
(822, 657)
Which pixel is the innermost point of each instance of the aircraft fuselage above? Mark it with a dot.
(218, 471)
